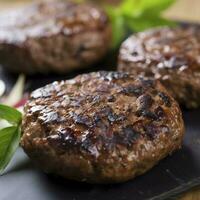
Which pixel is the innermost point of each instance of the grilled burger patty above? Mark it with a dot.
(170, 55)
(101, 127)
(53, 36)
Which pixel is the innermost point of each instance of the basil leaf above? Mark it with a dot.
(9, 141)
(137, 15)
(136, 8)
(155, 6)
(129, 6)
(118, 29)
(10, 114)
(143, 23)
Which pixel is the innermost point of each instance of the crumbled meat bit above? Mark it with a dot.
(96, 99)
(39, 93)
(113, 75)
(64, 139)
(112, 117)
(146, 113)
(83, 119)
(160, 113)
(132, 90)
(49, 117)
(152, 130)
(149, 83)
(111, 98)
(146, 101)
(166, 99)
(128, 136)
(176, 61)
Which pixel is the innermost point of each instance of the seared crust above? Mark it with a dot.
(53, 36)
(101, 127)
(170, 55)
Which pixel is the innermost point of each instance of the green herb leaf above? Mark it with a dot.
(155, 7)
(137, 8)
(9, 136)
(118, 28)
(137, 15)
(143, 23)
(9, 141)
(12, 115)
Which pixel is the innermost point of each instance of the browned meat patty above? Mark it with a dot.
(53, 36)
(171, 55)
(101, 127)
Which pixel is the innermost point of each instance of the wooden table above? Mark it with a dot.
(185, 10)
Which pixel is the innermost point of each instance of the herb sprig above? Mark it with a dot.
(10, 135)
(137, 15)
